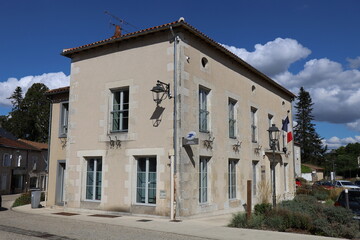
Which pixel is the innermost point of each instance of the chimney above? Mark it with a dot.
(117, 32)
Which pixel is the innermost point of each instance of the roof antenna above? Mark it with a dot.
(119, 27)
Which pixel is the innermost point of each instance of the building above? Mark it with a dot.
(22, 165)
(196, 145)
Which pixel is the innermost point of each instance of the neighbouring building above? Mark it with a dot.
(191, 152)
(22, 165)
(297, 159)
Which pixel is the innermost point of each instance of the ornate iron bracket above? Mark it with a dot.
(236, 146)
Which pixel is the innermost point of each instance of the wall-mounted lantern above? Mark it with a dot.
(161, 91)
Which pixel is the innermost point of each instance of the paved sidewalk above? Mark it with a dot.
(213, 227)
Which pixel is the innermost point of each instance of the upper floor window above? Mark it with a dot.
(203, 110)
(64, 116)
(120, 110)
(6, 160)
(253, 125)
(232, 118)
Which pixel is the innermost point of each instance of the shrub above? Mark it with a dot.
(24, 199)
(239, 220)
(262, 209)
(320, 193)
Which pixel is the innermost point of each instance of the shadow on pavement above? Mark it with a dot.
(3, 209)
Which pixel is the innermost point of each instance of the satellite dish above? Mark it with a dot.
(191, 135)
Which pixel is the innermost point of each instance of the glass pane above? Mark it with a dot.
(98, 165)
(90, 178)
(140, 195)
(141, 165)
(98, 193)
(90, 165)
(89, 192)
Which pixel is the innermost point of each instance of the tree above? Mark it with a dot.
(29, 118)
(16, 98)
(305, 134)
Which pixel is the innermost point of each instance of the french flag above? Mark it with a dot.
(286, 128)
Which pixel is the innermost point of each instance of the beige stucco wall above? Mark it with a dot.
(138, 64)
(226, 79)
(57, 152)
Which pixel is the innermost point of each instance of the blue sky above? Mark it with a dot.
(313, 43)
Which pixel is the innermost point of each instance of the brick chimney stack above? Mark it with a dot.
(117, 32)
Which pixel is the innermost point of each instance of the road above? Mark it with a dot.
(16, 225)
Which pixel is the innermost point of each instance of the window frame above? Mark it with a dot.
(97, 182)
(148, 160)
(64, 119)
(203, 179)
(204, 113)
(232, 177)
(121, 110)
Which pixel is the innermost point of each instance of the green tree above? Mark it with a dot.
(29, 118)
(305, 134)
(16, 98)
(36, 107)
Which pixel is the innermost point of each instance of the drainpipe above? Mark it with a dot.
(174, 158)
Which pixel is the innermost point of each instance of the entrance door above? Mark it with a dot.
(60, 183)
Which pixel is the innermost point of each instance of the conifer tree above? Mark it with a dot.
(305, 134)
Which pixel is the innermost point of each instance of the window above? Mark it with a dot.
(203, 111)
(120, 110)
(64, 119)
(146, 180)
(254, 178)
(232, 178)
(253, 125)
(232, 118)
(93, 179)
(6, 160)
(203, 179)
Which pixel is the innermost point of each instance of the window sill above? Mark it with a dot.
(146, 204)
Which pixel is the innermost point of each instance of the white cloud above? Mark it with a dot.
(274, 57)
(335, 90)
(51, 80)
(335, 142)
(354, 63)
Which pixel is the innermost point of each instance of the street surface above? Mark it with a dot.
(15, 225)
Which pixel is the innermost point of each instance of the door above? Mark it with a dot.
(60, 183)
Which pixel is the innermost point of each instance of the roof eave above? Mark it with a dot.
(69, 53)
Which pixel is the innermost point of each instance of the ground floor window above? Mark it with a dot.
(203, 180)
(146, 180)
(232, 178)
(254, 176)
(93, 179)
